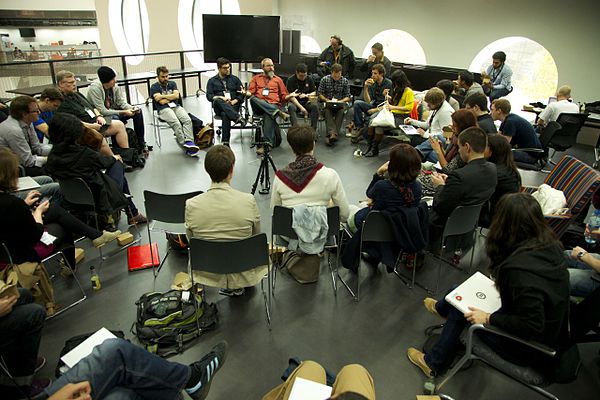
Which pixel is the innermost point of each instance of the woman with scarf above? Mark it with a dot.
(305, 180)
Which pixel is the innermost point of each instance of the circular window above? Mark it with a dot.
(129, 27)
(309, 45)
(190, 23)
(398, 46)
(535, 76)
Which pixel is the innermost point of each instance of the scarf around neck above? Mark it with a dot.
(297, 174)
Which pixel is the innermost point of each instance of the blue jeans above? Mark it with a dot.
(228, 113)
(269, 111)
(360, 108)
(580, 276)
(497, 93)
(48, 188)
(20, 334)
(117, 369)
(427, 150)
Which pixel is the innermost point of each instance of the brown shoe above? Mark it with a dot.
(418, 358)
(333, 138)
(429, 304)
(106, 237)
(350, 127)
(138, 219)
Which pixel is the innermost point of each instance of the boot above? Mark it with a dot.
(373, 151)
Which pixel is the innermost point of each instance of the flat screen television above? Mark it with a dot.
(27, 32)
(241, 38)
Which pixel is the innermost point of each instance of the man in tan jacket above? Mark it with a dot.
(223, 213)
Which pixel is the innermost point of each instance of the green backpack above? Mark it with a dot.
(167, 321)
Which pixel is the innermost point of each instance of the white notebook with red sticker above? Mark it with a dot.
(478, 291)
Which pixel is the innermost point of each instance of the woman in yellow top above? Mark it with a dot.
(400, 103)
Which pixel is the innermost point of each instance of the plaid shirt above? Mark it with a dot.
(331, 88)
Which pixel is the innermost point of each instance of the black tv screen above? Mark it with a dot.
(27, 32)
(241, 38)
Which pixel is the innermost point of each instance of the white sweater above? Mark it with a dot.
(443, 117)
(324, 187)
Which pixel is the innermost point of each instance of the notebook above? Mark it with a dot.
(409, 129)
(86, 347)
(138, 257)
(478, 291)
(304, 389)
(27, 183)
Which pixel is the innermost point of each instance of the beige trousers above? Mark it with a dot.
(352, 378)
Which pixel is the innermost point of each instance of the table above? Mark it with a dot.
(134, 79)
(183, 73)
(35, 90)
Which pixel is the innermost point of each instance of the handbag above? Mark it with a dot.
(383, 119)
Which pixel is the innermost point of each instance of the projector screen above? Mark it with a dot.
(241, 38)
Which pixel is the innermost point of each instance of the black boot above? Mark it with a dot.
(373, 151)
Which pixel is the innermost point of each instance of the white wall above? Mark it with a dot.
(453, 31)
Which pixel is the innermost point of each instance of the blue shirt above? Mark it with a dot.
(376, 91)
(156, 87)
(44, 118)
(522, 132)
(501, 77)
(217, 87)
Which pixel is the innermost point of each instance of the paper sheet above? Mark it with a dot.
(304, 389)
(86, 347)
(47, 238)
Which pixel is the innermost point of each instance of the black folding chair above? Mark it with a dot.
(281, 225)
(169, 211)
(462, 221)
(232, 256)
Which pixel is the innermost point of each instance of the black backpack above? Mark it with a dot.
(73, 342)
(167, 321)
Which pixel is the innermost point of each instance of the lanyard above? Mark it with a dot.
(495, 75)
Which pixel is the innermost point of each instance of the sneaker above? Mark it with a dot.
(429, 304)
(192, 153)
(39, 364)
(190, 145)
(138, 219)
(106, 237)
(207, 367)
(232, 292)
(418, 358)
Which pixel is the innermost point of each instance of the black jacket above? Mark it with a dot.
(20, 232)
(508, 182)
(472, 184)
(534, 288)
(67, 161)
(346, 60)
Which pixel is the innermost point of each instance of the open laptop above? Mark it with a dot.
(478, 291)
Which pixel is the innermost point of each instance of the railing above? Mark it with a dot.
(33, 73)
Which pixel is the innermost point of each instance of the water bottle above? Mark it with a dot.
(593, 225)
(457, 256)
(95, 279)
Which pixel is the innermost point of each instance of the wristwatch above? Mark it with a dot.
(581, 254)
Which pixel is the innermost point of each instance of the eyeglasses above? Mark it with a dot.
(34, 111)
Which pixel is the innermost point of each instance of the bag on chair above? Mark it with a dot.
(167, 321)
(34, 276)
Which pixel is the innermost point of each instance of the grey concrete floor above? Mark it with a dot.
(308, 321)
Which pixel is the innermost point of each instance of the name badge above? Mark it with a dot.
(90, 113)
(227, 96)
(265, 92)
(172, 105)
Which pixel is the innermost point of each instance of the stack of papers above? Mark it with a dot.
(304, 389)
(409, 129)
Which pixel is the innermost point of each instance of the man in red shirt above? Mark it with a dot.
(267, 94)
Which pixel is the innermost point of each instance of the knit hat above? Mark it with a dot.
(106, 74)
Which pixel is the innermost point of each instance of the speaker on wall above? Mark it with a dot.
(291, 42)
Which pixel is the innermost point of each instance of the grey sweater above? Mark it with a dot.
(97, 97)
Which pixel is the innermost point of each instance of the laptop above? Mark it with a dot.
(478, 291)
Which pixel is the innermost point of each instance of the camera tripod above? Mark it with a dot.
(263, 170)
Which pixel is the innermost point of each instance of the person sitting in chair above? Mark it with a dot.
(304, 103)
(563, 104)
(223, 91)
(223, 213)
(334, 92)
(529, 272)
(497, 77)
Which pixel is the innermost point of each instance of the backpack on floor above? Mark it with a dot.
(204, 135)
(167, 321)
(73, 342)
